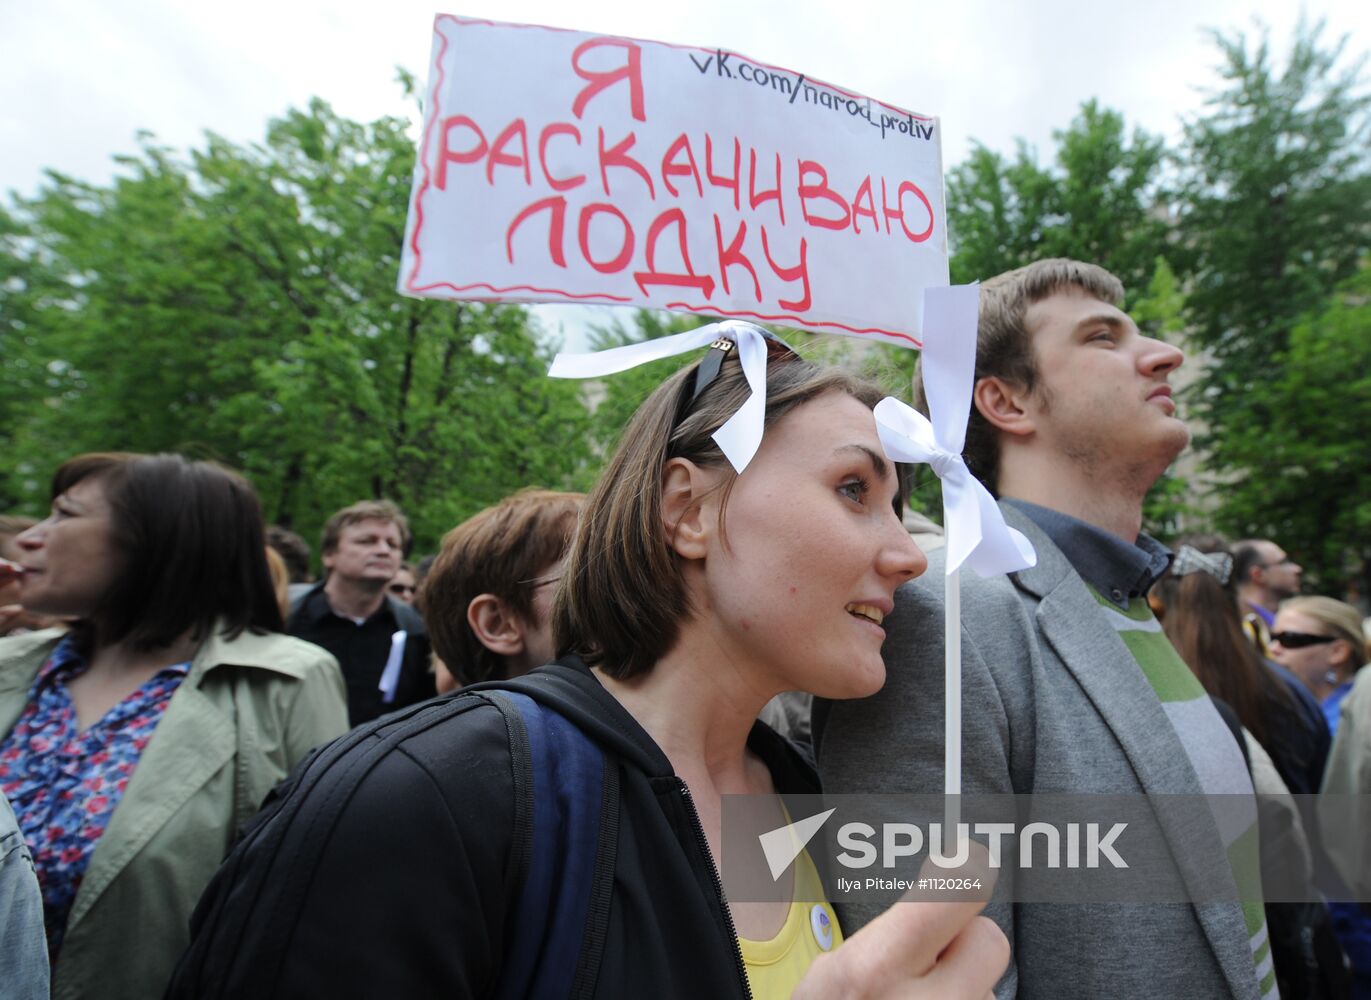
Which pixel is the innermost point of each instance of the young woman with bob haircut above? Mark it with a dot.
(133, 745)
(690, 597)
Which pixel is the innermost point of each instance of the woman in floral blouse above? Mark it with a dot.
(134, 744)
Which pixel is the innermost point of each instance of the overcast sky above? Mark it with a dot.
(78, 77)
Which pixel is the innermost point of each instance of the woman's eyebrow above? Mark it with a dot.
(878, 463)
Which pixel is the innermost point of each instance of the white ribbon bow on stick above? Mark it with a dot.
(977, 535)
(741, 435)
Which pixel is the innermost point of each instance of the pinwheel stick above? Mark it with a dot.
(952, 723)
(977, 535)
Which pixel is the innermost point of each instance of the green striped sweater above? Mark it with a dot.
(1214, 755)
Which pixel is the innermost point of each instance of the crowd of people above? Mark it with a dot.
(500, 770)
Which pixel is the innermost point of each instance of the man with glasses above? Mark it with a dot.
(1265, 575)
(403, 585)
(488, 598)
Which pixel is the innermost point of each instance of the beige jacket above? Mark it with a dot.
(248, 710)
(1345, 802)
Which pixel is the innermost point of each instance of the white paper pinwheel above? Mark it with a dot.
(741, 435)
(977, 535)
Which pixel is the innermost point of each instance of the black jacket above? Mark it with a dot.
(1296, 733)
(362, 651)
(412, 890)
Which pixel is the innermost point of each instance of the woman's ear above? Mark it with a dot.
(687, 517)
(1340, 654)
(496, 625)
(1004, 405)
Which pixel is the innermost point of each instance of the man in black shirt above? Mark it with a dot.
(380, 642)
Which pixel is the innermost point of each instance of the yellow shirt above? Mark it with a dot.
(775, 967)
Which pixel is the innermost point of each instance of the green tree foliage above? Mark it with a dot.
(614, 399)
(242, 306)
(1099, 202)
(27, 288)
(1275, 211)
(1309, 484)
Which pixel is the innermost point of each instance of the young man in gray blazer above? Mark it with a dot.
(1072, 422)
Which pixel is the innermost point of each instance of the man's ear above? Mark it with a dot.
(687, 522)
(1004, 405)
(496, 625)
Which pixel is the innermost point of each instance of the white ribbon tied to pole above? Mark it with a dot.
(741, 435)
(977, 535)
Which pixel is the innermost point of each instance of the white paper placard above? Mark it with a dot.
(556, 166)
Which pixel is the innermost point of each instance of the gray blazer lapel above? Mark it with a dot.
(1072, 623)
(1069, 618)
(190, 745)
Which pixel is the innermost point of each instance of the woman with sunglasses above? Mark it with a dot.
(691, 596)
(1319, 640)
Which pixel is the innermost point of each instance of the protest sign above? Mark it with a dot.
(556, 166)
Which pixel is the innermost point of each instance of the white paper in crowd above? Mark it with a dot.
(741, 435)
(390, 676)
(556, 166)
(977, 535)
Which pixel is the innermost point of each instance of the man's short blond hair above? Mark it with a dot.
(1004, 344)
(365, 510)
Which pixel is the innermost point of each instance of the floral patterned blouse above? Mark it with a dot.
(64, 784)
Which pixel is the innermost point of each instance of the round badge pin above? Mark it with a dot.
(822, 926)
